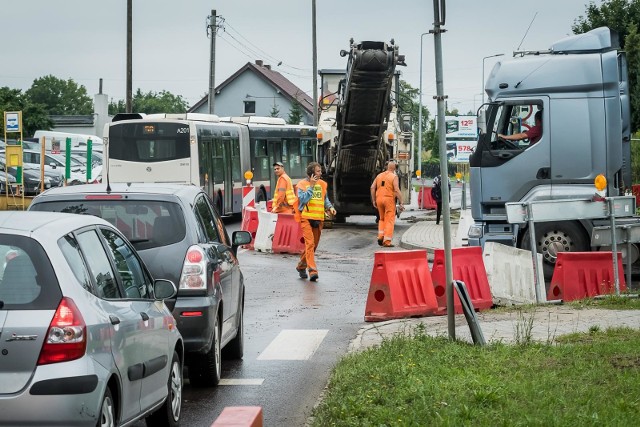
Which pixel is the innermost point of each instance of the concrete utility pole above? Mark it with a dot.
(212, 30)
(315, 63)
(129, 102)
(420, 112)
(438, 21)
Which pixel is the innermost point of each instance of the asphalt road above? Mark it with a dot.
(296, 330)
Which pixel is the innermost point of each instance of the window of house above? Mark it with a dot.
(249, 107)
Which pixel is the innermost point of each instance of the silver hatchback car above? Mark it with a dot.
(85, 337)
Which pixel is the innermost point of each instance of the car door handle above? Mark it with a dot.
(114, 320)
(145, 316)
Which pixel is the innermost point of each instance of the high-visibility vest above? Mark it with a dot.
(384, 184)
(290, 196)
(314, 209)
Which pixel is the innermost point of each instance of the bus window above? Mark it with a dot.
(261, 156)
(292, 147)
(306, 154)
(236, 173)
(218, 161)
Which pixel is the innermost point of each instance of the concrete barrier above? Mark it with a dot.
(239, 416)
(510, 274)
(266, 228)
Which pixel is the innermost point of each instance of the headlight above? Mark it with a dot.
(475, 231)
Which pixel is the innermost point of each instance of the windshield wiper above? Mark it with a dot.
(138, 240)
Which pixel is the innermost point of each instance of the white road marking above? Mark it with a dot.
(241, 381)
(294, 344)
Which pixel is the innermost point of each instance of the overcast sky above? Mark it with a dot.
(86, 40)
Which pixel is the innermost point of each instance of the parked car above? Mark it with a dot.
(86, 338)
(182, 238)
(31, 176)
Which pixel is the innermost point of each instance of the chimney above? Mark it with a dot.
(259, 62)
(268, 67)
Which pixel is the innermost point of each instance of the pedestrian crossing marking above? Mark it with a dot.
(294, 344)
(241, 381)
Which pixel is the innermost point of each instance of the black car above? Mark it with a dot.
(31, 176)
(180, 237)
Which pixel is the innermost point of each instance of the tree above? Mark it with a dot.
(151, 102)
(275, 111)
(60, 97)
(408, 102)
(623, 16)
(296, 114)
(34, 116)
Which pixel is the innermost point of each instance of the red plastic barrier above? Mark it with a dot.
(400, 286)
(287, 238)
(425, 201)
(468, 267)
(239, 416)
(579, 275)
(250, 224)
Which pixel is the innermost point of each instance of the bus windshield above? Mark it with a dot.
(149, 141)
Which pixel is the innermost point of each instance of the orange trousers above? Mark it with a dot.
(311, 239)
(387, 214)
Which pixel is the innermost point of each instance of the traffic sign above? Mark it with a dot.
(13, 121)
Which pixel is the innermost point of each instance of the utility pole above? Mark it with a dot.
(129, 55)
(438, 21)
(212, 30)
(315, 63)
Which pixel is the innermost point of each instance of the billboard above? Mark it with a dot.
(461, 136)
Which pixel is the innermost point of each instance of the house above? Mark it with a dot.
(255, 89)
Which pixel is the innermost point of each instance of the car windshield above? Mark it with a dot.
(146, 223)
(61, 159)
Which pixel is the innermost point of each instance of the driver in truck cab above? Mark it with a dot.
(532, 134)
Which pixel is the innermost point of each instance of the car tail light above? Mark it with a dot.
(66, 338)
(194, 270)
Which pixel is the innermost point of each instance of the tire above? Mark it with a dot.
(552, 238)
(234, 350)
(107, 411)
(206, 370)
(169, 413)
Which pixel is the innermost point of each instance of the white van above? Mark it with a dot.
(56, 141)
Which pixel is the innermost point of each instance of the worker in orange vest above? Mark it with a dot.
(384, 191)
(313, 201)
(284, 198)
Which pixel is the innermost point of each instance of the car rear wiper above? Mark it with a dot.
(138, 240)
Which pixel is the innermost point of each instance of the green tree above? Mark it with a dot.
(623, 16)
(296, 114)
(409, 102)
(150, 103)
(34, 116)
(60, 97)
(275, 111)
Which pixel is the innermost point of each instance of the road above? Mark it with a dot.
(296, 331)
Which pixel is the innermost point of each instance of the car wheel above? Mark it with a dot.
(169, 413)
(207, 369)
(107, 411)
(235, 348)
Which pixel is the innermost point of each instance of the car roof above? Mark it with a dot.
(179, 190)
(28, 222)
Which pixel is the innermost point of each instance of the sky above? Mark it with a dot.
(86, 40)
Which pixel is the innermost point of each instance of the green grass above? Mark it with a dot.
(590, 379)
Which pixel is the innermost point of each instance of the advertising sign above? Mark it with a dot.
(462, 137)
(12, 121)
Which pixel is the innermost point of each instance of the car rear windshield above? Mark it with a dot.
(27, 279)
(146, 223)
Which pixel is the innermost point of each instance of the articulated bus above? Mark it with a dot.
(203, 150)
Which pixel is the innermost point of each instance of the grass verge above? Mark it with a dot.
(590, 379)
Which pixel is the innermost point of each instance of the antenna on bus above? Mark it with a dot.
(527, 32)
(108, 184)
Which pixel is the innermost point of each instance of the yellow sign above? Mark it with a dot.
(14, 155)
(418, 173)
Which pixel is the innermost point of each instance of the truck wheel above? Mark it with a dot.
(552, 238)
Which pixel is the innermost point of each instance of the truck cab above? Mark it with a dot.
(579, 87)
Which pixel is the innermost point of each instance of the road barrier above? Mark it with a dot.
(287, 237)
(510, 274)
(248, 196)
(400, 287)
(239, 416)
(579, 275)
(250, 224)
(468, 267)
(425, 200)
(264, 233)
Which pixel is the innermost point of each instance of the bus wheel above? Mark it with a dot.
(552, 238)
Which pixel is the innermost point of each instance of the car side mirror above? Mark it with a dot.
(53, 165)
(164, 289)
(240, 238)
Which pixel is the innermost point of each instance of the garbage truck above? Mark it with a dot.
(579, 87)
(360, 127)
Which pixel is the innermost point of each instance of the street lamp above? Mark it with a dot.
(420, 108)
(490, 56)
